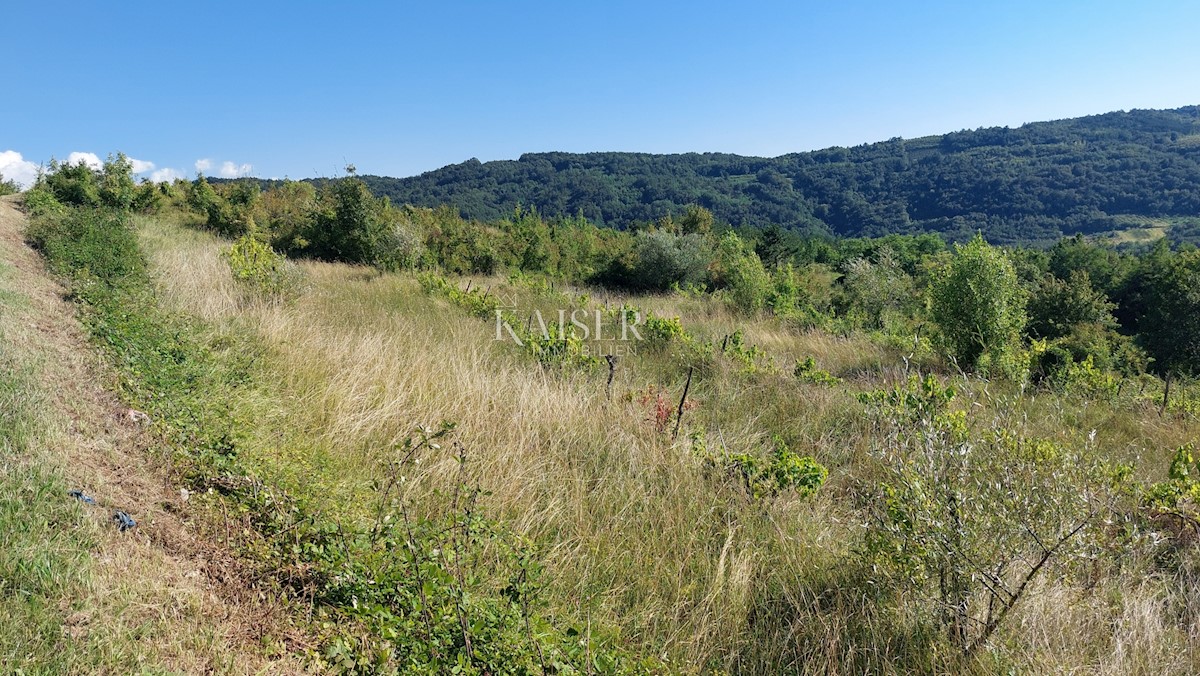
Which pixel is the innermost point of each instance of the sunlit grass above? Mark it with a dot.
(636, 531)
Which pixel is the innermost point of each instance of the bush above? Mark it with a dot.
(783, 471)
(806, 371)
(41, 202)
(962, 522)
(8, 186)
(90, 244)
(262, 271)
(659, 332)
(351, 226)
(664, 260)
(979, 307)
(742, 273)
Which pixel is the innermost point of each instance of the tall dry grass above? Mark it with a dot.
(636, 531)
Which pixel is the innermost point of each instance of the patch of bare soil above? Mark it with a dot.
(185, 596)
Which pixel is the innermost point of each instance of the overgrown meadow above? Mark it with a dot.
(808, 456)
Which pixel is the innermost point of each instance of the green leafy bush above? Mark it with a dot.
(980, 308)
(806, 371)
(782, 471)
(961, 522)
(660, 332)
(262, 271)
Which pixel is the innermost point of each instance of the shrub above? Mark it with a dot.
(93, 245)
(979, 307)
(659, 332)
(262, 271)
(73, 184)
(740, 270)
(806, 371)
(781, 472)
(8, 186)
(40, 201)
(664, 259)
(350, 225)
(963, 523)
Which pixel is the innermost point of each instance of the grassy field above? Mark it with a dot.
(643, 535)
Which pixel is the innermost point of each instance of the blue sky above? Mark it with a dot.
(300, 89)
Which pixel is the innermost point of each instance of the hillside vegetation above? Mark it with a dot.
(1033, 183)
(861, 456)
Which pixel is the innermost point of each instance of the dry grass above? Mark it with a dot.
(111, 602)
(636, 533)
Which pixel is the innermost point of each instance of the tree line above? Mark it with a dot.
(1034, 183)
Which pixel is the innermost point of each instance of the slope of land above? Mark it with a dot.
(88, 598)
(1028, 184)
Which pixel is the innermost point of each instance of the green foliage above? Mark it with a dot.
(980, 308)
(1026, 184)
(750, 358)
(1056, 306)
(116, 186)
(477, 303)
(806, 371)
(353, 226)
(783, 471)
(147, 198)
(262, 271)
(73, 184)
(877, 294)
(92, 246)
(8, 186)
(659, 332)
(40, 201)
(230, 214)
(743, 274)
(664, 259)
(964, 522)
(553, 346)
(1171, 328)
(1180, 493)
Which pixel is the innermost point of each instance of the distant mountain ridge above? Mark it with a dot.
(1031, 183)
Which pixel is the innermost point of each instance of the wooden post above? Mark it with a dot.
(612, 369)
(1166, 394)
(682, 400)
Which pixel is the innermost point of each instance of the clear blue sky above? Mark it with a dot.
(299, 89)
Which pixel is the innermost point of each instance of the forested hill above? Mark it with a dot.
(1035, 182)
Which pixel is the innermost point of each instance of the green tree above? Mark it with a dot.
(117, 188)
(980, 308)
(877, 293)
(1057, 305)
(740, 270)
(1171, 328)
(696, 221)
(350, 225)
(664, 259)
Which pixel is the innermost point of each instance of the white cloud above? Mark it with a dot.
(16, 168)
(203, 165)
(141, 166)
(231, 170)
(165, 175)
(90, 159)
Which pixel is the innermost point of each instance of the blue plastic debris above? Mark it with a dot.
(124, 521)
(80, 495)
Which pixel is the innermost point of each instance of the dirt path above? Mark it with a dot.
(178, 594)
